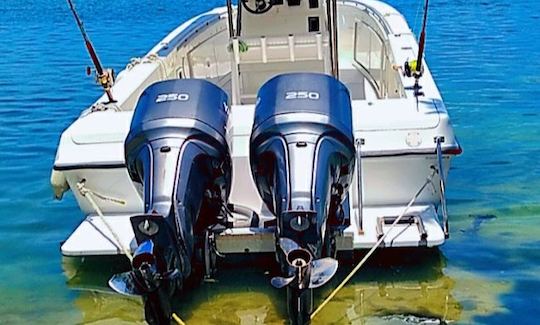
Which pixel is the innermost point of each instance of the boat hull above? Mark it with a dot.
(397, 134)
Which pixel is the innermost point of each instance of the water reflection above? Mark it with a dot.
(97, 303)
(396, 286)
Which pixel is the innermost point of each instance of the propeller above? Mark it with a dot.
(322, 271)
(279, 282)
(306, 273)
(287, 245)
(125, 284)
(149, 279)
(145, 276)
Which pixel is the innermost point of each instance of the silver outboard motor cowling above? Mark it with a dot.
(177, 152)
(302, 158)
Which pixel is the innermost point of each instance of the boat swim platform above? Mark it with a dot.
(419, 228)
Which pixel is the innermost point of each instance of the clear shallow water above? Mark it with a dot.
(485, 56)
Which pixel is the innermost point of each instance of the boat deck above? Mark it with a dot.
(92, 237)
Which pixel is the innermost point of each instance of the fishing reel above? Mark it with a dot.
(261, 6)
(106, 79)
(410, 69)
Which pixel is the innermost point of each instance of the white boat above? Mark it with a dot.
(326, 78)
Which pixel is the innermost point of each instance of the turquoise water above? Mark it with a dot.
(485, 56)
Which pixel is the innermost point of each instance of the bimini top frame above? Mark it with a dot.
(237, 46)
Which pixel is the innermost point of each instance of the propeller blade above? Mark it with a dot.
(322, 270)
(279, 282)
(124, 283)
(172, 275)
(287, 245)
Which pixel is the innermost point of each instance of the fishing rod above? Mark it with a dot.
(422, 42)
(104, 77)
(414, 68)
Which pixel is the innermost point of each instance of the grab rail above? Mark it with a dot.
(442, 184)
(359, 194)
(371, 12)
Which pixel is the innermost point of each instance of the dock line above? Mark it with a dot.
(372, 250)
(88, 194)
(177, 319)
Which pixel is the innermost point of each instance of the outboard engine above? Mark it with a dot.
(176, 150)
(302, 158)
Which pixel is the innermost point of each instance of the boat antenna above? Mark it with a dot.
(104, 77)
(415, 68)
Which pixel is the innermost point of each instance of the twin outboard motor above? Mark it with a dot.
(302, 158)
(177, 151)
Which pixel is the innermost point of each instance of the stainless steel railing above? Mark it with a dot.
(359, 197)
(442, 185)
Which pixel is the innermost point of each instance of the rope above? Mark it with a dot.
(101, 107)
(88, 194)
(178, 320)
(150, 58)
(101, 196)
(372, 250)
(133, 62)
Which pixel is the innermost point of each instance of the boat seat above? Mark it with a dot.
(253, 76)
(283, 48)
(266, 57)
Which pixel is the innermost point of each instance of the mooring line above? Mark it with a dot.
(87, 193)
(177, 319)
(372, 250)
